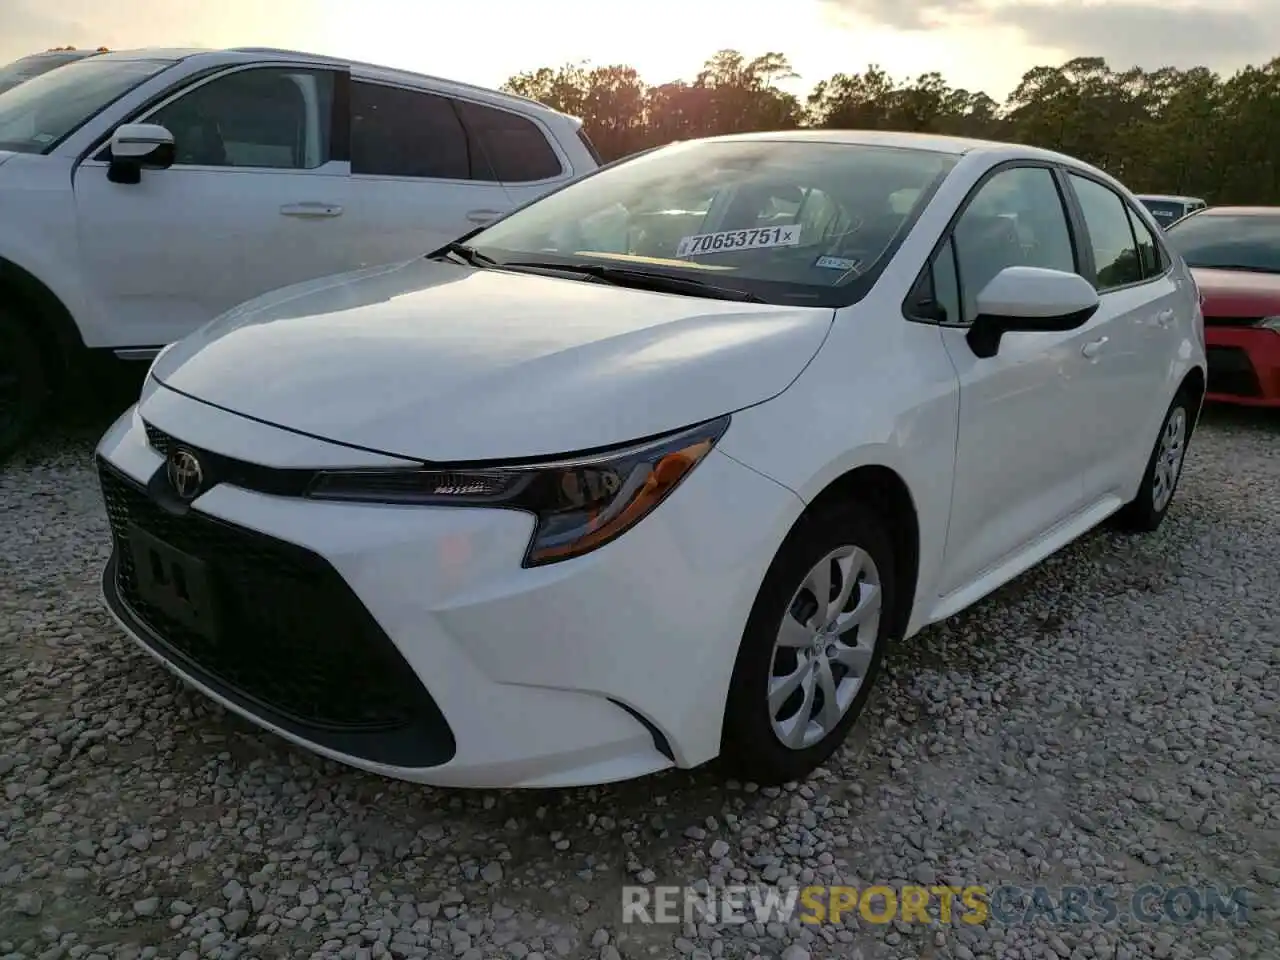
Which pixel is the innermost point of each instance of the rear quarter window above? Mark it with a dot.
(514, 147)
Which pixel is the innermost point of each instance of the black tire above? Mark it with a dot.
(23, 385)
(1146, 511)
(749, 746)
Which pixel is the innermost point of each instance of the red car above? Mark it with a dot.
(1234, 254)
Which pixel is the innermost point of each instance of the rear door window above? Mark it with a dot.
(1106, 217)
(396, 132)
(514, 148)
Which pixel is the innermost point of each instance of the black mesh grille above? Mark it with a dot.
(158, 439)
(1230, 372)
(1231, 321)
(292, 636)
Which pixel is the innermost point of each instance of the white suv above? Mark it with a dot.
(143, 193)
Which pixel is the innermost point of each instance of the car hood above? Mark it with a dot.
(6, 154)
(1238, 293)
(441, 362)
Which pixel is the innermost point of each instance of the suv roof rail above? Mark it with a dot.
(381, 66)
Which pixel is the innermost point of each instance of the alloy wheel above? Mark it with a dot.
(824, 647)
(1169, 456)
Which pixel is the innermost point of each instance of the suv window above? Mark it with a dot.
(1115, 252)
(1150, 253)
(406, 133)
(272, 117)
(1016, 219)
(514, 147)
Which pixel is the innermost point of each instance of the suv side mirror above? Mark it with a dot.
(139, 146)
(1031, 299)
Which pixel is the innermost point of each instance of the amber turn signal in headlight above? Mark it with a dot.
(581, 503)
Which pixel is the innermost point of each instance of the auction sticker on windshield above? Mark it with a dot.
(750, 239)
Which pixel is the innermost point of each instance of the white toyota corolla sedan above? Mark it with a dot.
(652, 470)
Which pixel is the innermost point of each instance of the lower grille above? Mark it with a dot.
(1230, 372)
(1231, 321)
(294, 645)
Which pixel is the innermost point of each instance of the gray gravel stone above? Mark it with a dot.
(1110, 718)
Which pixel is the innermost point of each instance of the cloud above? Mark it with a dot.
(1221, 35)
(29, 29)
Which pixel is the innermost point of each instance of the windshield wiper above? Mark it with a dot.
(643, 280)
(468, 255)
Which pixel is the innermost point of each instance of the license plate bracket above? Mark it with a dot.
(175, 583)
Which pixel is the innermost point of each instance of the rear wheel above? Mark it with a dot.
(812, 646)
(23, 386)
(1147, 510)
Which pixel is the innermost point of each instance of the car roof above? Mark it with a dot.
(58, 55)
(1239, 212)
(371, 71)
(937, 143)
(1169, 197)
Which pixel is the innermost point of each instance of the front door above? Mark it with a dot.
(1023, 435)
(254, 202)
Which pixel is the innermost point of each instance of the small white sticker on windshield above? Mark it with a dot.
(754, 238)
(836, 263)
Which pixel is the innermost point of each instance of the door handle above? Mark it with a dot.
(483, 216)
(1093, 347)
(311, 209)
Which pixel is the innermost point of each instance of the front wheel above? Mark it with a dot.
(1145, 512)
(812, 646)
(23, 389)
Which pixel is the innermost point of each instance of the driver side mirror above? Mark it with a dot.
(1030, 299)
(139, 146)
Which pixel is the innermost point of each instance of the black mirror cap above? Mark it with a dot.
(129, 169)
(987, 329)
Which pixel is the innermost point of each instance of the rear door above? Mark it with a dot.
(1131, 331)
(417, 181)
(255, 201)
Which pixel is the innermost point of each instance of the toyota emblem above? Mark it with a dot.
(186, 476)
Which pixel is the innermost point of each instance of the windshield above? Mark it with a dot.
(1164, 211)
(37, 114)
(785, 220)
(12, 74)
(1229, 242)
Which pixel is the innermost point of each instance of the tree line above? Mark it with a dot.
(1191, 132)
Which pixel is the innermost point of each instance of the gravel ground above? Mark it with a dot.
(1110, 718)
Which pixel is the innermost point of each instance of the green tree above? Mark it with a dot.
(1170, 131)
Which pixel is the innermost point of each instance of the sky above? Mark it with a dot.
(977, 44)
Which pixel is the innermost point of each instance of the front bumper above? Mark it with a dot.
(409, 642)
(1244, 365)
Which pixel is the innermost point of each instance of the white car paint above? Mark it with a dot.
(137, 266)
(522, 365)
(543, 673)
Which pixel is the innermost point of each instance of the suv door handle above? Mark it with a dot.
(311, 209)
(483, 216)
(1093, 347)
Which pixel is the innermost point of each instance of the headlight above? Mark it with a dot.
(1271, 323)
(580, 503)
